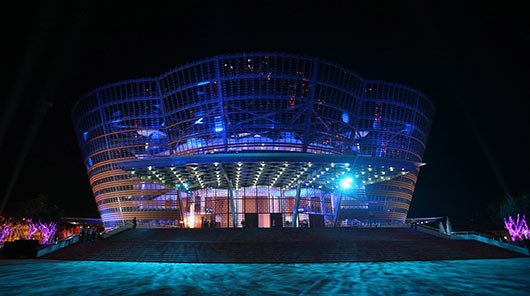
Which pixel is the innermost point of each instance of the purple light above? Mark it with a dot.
(5, 232)
(517, 229)
(32, 228)
(48, 231)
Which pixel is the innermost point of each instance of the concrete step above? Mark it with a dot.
(276, 246)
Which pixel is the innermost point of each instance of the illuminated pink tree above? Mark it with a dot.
(48, 231)
(32, 228)
(5, 232)
(517, 229)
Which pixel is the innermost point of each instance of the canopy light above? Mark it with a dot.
(346, 183)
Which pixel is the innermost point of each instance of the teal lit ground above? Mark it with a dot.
(455, 277)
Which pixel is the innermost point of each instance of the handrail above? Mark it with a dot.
(477, 236)
(471, 235)
(429, 227)
(116, 230)
(475, 233)
(74, 238)
(67, 241)
(71, 236)
(463, 233)
(432, 231)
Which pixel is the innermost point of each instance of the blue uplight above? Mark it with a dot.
(345, 117)
(203, 83)
(218, 121)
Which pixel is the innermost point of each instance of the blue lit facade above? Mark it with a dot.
(150, 145)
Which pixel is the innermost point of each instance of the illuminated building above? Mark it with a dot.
(273, 136)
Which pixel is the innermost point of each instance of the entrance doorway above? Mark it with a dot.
(251, 220)
(316, 221)
(276, 220)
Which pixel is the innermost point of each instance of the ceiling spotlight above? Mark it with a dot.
(346, 182)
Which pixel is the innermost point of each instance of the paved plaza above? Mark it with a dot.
(456, 277)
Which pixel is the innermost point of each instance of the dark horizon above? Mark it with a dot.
(471, 61)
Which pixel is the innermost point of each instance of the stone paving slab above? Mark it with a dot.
(454, 277)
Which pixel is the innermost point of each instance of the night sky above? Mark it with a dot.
(472, 61)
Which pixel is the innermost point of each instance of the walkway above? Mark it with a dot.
(460, 277)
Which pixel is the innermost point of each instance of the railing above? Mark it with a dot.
(423, 220)
(116, 230)
(358, 224)
(476, 233)
(425, 226)
(75, 238)
(473, 235)
(66, 242)
(431, 230)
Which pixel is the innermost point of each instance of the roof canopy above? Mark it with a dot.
(279, 170)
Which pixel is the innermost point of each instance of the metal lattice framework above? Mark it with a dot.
(243, 121)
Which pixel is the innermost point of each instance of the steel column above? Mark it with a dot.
(221, 104)
(282, 201)
(231, 194)
(337, 208)
(180, 205)
(296, 204)
(309, 104)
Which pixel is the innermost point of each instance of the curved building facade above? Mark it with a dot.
(260, 139)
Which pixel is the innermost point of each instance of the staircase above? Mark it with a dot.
(283, 245)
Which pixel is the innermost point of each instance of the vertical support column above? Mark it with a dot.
(221, 104)
(360, 101)
(270, 201)
(322, 203)
(164, 114)
(282, 202)
(309, 104)
(416, 111)
(106, 132)
(232, 203)
(230, 195)
(179, 198)
(337, 208)
(101, 111)
(296, 204)
(228, 209)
